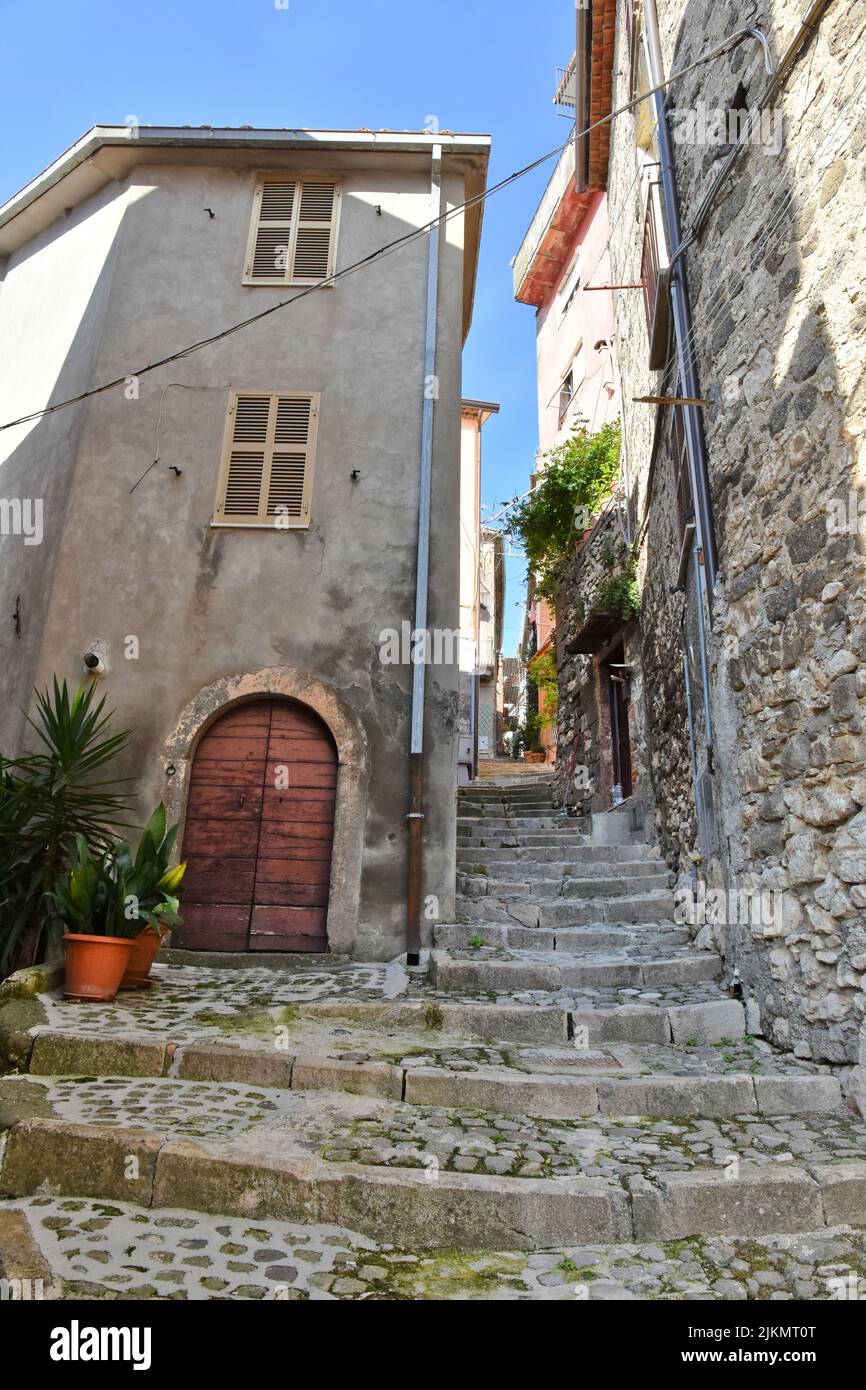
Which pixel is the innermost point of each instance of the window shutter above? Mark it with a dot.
(293, 232)
(267, 471)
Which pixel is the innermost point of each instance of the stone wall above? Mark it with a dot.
(779, 311)
(583, 776)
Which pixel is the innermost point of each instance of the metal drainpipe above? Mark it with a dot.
(682, 319)
(419, 668)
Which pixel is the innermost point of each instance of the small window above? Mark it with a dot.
(570, 287)
(566, 395)
(266, 478)
(293, 233)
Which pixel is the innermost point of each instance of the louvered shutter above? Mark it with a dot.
(267, 472)
(293, 233)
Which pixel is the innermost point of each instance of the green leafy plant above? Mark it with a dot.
(47, 798)
(542, 672)
(619, 593)
(113, 894)
(575, 479)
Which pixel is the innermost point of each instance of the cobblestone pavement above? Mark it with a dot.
(342, 1128)
(190, 1002)
(107, 1250)
(459, 1141)
(189, 1109)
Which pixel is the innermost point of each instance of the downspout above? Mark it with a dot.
(682, 314)
(422, 573)
(581, 96)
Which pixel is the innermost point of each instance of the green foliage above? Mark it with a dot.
(619, 593)
(48, 798)
(113, 894)
(542, 672)
(575, 480)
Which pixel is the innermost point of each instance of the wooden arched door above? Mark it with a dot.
(259, 831)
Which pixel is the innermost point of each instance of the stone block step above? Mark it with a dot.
(483, 885)
(485, 968)
(449, 935)
(552, 1083)
(563, 912)
(553, 872)
(437, 1177)
(570, 858)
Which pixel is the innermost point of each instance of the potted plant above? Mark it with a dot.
(153, 886)
(115, 910)
(47, 797)
(88, 901)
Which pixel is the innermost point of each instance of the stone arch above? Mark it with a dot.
(352, 776)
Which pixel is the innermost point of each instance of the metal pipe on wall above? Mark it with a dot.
(682, 315)
(422, 575)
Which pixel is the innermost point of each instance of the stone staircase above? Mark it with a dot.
(566, 1086)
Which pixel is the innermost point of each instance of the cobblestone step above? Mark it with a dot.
(440, 1177)
(491, 968)
(82, 1249)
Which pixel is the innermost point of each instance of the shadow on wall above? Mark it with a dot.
(776, 329)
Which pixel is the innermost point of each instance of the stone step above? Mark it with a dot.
(551, 1082)
(487, 968)
(520, 820)
(437, 1177)
(565, 840)
(559, 912)
(555, 871)
(596, 938)
(234, 1261)
(601, 856)
(484, 885)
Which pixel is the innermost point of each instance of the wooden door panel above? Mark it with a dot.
(232, 748)
(238, 839)
(294, 806)
(305, 869)
(259, 855)
(212, 879)
(288, 929)
(243, 773)
(291, 748)
(316, 780)
(215, 927)
(209, 801)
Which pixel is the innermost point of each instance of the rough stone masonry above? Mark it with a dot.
(779, 325)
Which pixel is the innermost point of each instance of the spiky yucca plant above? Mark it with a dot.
(47, 798)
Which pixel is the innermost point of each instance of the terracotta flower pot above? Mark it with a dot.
(533, 757)
(144, 950)
(95, 965)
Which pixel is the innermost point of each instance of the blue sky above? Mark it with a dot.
(476, 65)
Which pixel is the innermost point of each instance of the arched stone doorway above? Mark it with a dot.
(259, 831)
(303, 692)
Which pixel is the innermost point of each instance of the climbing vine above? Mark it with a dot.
(576, 477)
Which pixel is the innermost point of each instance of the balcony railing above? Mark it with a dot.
(566, 88)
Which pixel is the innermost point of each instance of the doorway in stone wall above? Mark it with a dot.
(259, 831)
(618, 695)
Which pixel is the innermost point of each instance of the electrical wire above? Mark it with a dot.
(718, 51)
